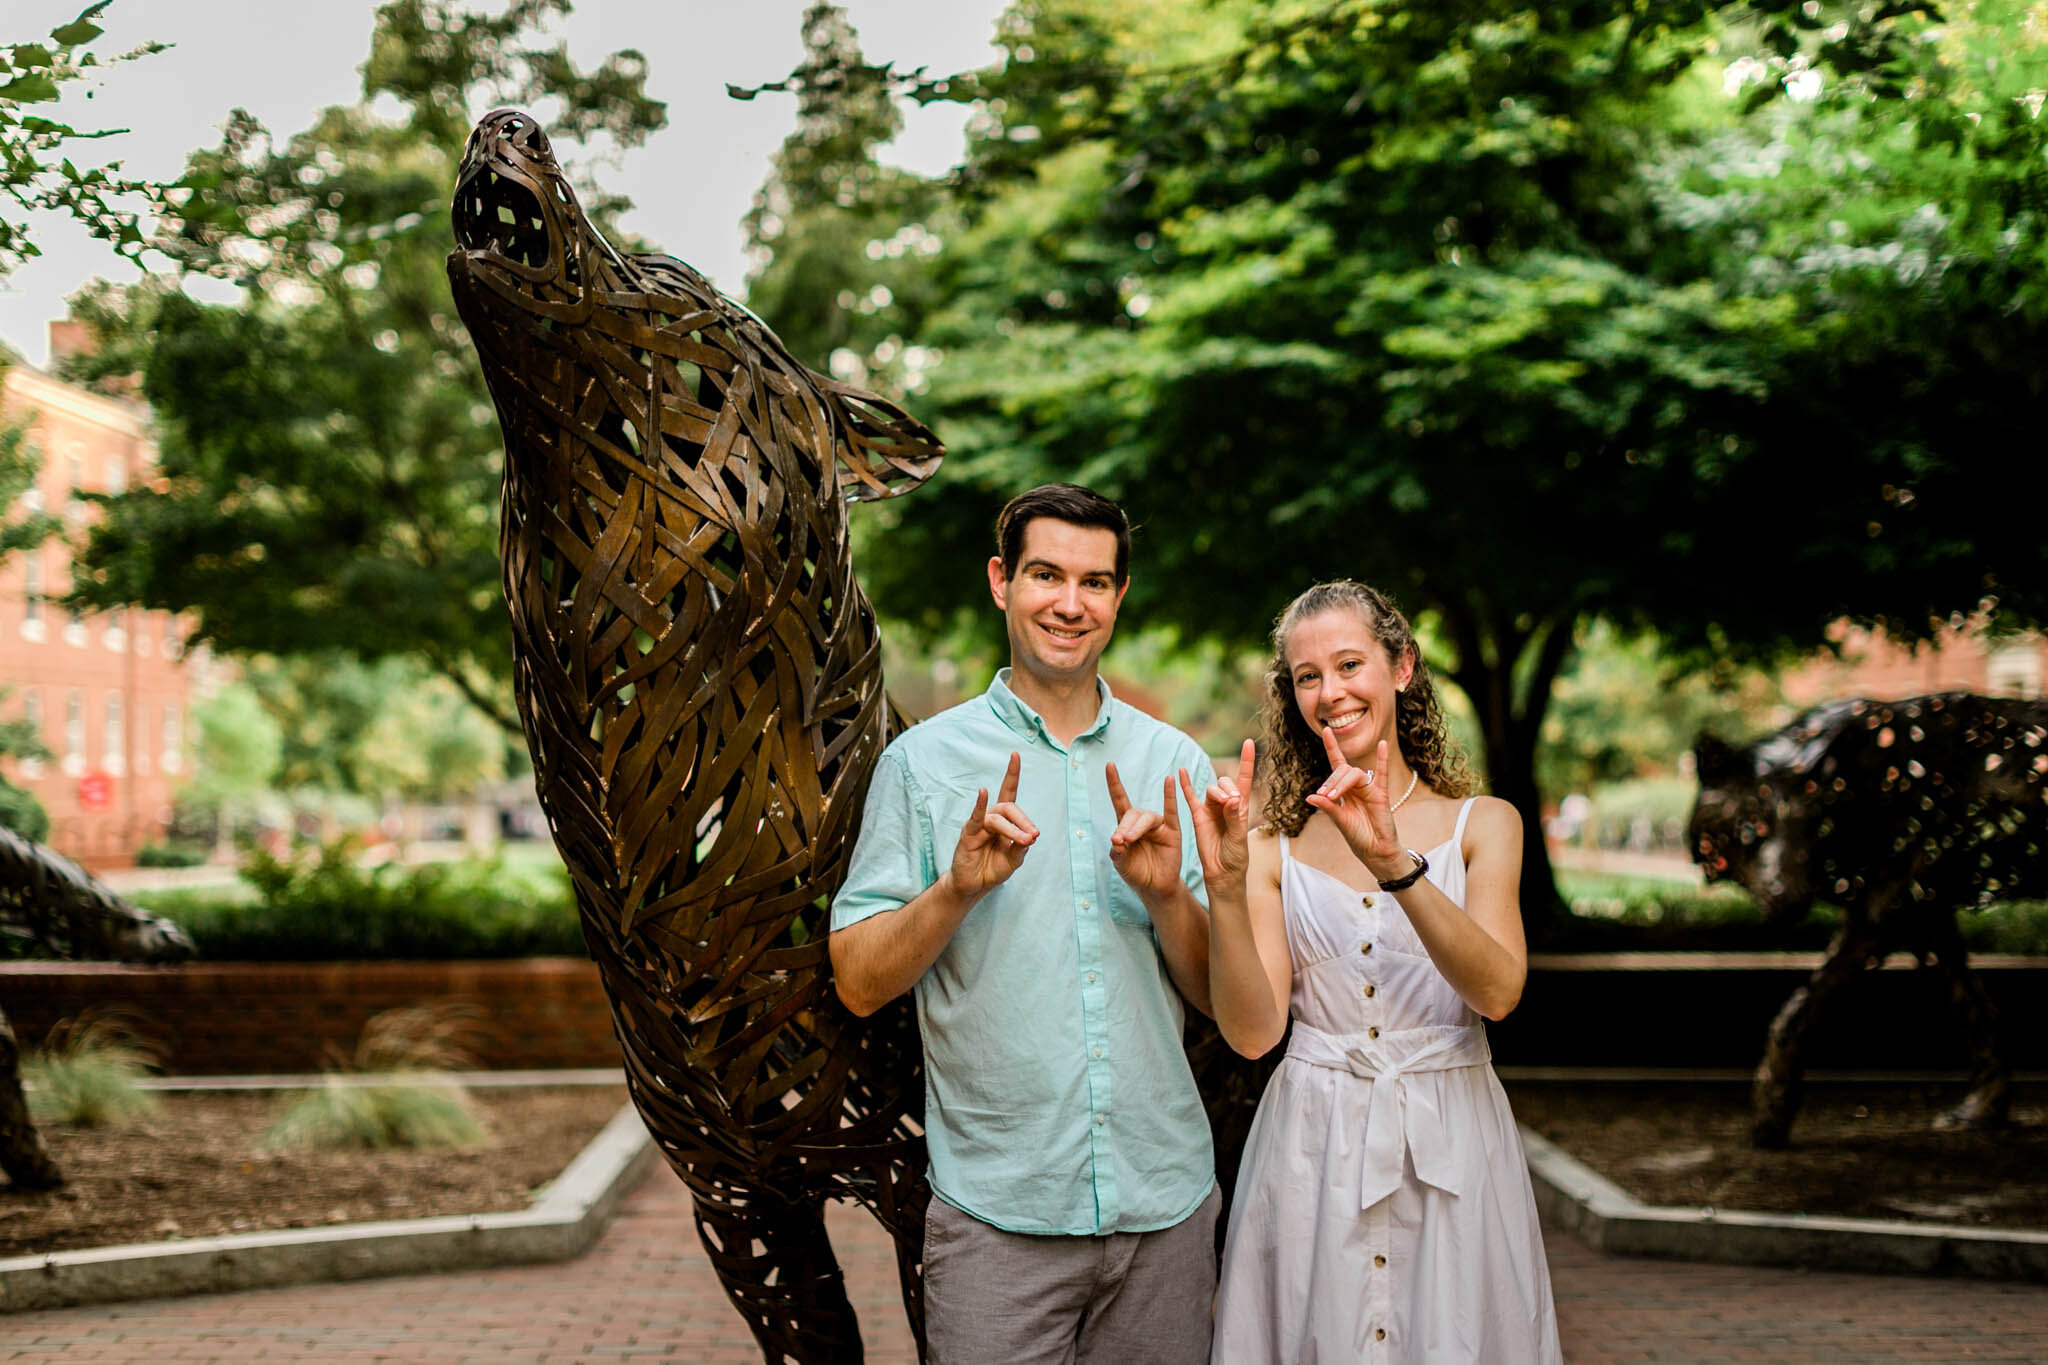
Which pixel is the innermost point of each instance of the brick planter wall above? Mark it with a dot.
(239, 1018)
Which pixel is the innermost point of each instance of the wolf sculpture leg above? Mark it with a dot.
(22, 1155)
(1780, 1083)
(775, 1261)
(1990, 1094)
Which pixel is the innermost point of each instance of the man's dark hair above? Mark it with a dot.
(1068, 502)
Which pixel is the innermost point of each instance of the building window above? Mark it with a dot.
(115, 636)
(174, 738)
(74, 732)
(117, 476)
(114, 738)
(174, 637)
(142, 759)
(2015, 668)
(32, 626)
(32, 500)
(74, 628)
(32, 714)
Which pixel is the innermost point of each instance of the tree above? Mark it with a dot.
(330, 459)
(35, 171)
(1416, 293)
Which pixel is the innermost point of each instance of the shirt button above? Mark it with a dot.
(1372, 1033)
(1379, 1260)
(1098, 1052)
(1084, 902)
(1365, 948)
(1379, 1334)
(1371, 991)
(1091, 976)
(1080, 834)
(1101, 1119)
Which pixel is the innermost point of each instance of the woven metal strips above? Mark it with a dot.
(700, 682)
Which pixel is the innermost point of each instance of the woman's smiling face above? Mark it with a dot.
(1343, 678)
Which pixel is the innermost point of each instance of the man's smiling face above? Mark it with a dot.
(1061, 605)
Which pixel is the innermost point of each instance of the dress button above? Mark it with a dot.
(1379, 1260)
(1372, 1033)
(1371, 991)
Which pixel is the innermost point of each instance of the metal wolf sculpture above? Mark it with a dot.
(699, 677)
(1901, 813)
(49, 902)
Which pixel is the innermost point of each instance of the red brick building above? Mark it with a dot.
(110, 693)
(1965, 660)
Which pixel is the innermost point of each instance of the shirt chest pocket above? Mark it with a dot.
(1125, 907)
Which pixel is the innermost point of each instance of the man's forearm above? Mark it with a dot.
(1182, 928)
(883, 956)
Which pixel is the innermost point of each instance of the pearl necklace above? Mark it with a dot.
(1413, 778)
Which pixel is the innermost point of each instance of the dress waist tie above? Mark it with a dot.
(1398, 1121)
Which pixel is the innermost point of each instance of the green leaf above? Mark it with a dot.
(29, 89)
(79, 30)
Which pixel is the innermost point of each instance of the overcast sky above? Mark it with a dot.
(284, 61)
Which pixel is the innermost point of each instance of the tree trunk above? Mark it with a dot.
(1510, 720)
(22, 1155)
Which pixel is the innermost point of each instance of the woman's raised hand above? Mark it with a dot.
(994, 839)
(1357, 800)
(1222, 820)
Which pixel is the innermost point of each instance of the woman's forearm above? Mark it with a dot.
(1241, 988)
(1481, 969)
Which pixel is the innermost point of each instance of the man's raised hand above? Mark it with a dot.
(993, 841)
(1145, 846)
(1222, 820)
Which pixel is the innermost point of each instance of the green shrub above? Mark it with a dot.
(171, 853)
(348, 1116)
(86, 1074)
(428, 1108)
(1611, 912)
(322, 906)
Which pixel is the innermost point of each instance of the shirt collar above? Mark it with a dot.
(1019, 717)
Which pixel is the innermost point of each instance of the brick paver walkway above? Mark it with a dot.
(646, 1290)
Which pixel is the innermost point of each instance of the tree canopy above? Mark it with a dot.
(37, 169)
(330, 458)
(1532, 315)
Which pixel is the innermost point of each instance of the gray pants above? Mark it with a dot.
(1008, 1298)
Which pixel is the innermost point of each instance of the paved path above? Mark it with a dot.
(646, 1290)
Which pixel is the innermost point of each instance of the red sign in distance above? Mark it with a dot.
(96, 792)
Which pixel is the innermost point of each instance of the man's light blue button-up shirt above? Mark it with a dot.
(1057, 1097)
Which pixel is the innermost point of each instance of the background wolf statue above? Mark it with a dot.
(1901, 813)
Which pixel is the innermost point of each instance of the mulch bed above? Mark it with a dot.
(1859, 1149)
(194, 1169)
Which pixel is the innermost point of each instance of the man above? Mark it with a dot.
(1046, 933)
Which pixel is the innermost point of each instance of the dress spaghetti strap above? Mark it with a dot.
(1464, 813)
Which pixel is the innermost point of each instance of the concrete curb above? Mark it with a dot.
(1573, 1198)
(562, 1223)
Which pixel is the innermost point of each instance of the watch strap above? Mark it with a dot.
(1414, 874)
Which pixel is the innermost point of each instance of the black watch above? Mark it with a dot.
(1413, 876)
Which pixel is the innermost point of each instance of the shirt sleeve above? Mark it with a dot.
(892, 860)
(1203, 774)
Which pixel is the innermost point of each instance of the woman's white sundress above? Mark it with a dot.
(1383, 1210)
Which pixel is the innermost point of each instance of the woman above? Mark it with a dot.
(1383, 1211)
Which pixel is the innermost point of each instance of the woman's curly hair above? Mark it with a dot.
(1291, 756)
